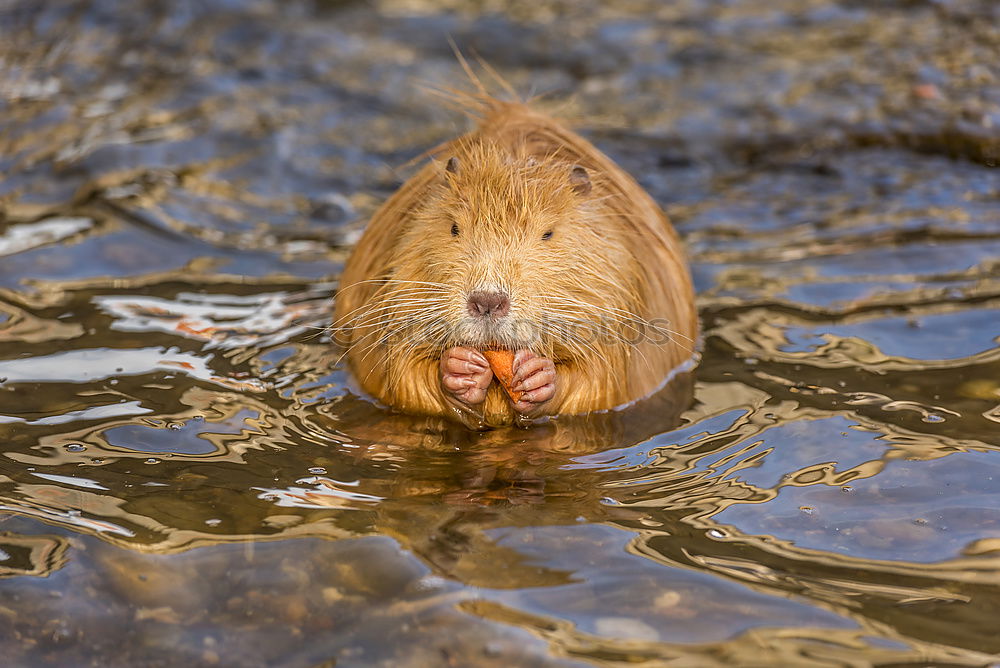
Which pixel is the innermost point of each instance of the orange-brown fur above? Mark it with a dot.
(612, 254)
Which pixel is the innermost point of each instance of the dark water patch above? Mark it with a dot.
(188, 477)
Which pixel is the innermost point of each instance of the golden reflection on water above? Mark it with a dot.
(187, 476)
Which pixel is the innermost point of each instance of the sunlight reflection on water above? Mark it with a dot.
(189, 479)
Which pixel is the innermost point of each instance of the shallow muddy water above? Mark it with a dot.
(187, 477)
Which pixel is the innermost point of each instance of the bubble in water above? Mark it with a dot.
(430, 583)
(808, 510)
(317, 470)
(152, 460)
(214, 522)
(715, 533)
(846, 489)
(933, 417)
(74, 447)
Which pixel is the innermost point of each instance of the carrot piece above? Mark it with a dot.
(502, 363)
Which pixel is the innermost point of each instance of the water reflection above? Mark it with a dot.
(36, 556)
(188, 476)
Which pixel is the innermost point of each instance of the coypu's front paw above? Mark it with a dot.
(465, 376)
(536, 377)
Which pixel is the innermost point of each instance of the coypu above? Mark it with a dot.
(519, 235)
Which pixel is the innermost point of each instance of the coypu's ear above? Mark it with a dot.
(452, 166)
(579, 179)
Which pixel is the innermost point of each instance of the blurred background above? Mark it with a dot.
(186, 477)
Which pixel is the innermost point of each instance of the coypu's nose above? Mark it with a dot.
(482, 304)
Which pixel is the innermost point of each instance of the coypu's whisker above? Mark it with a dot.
(589, 325)
(670, 334)
(401, 303)
(405, 350)
(386, 281)
(391, 311)
(413, 293)
(386, 304)
(619, 337)
(617, 314)
(604, 327)
(631, 317)
(586, 351)
(402, 320)
(385, 330)
(378, 343)
(401, 315)
(585, 284)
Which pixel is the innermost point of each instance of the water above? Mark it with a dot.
(187, 477)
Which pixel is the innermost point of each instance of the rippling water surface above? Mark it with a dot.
(186, 477)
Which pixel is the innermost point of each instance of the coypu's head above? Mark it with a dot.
(514, 251)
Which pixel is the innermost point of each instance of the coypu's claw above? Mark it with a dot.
(465, 377)
(536, 377)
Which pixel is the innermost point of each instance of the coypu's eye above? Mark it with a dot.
(547, 236)
(454, 229)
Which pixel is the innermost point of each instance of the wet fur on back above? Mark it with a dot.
(597, 279)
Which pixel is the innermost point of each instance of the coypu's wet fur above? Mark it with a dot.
(595, 275)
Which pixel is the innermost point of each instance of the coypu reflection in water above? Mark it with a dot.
(494, 458)
(449, 484)
(521, 236)
(524, 467)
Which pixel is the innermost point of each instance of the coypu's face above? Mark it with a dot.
(513, 252)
